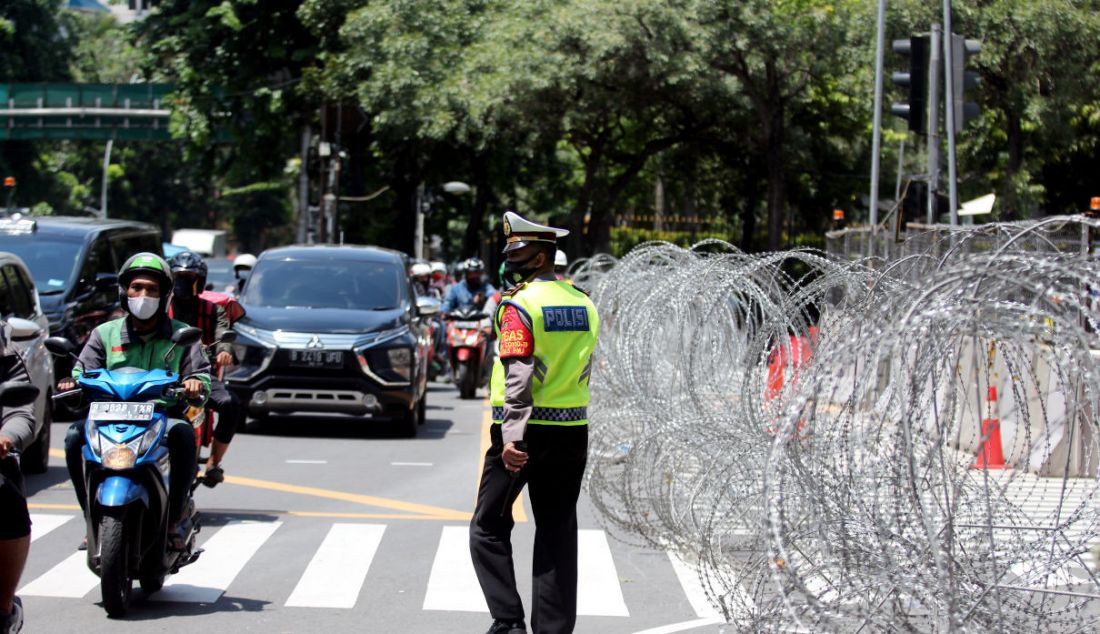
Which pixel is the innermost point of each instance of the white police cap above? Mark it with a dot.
(519, 232)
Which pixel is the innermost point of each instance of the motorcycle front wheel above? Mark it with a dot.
(115, 583)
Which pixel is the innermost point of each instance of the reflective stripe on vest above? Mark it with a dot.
(564, 324)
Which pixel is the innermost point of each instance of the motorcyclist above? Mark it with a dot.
(561, 262)
(472, 291)
(242, 268)
(421, 273)
(439, 277)
(16, 433)
(189, 273)
(141, 339)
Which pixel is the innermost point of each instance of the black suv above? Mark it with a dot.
(74, 263)
(332, 329)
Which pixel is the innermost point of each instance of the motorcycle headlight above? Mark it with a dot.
(149, 437)
(93, 437)
(119, 457)
(471, 340)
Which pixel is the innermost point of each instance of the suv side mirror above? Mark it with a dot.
(105, 282)
(23, 329)
(17, 394)
(427, 306)
(187, 336)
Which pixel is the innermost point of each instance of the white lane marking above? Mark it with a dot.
(411, 464)
(453, 584)
(693, 589)
(70, 578)
(225, 554)
(307, 461)
(682, 627)
(42, 524)
(337, 571)
(598, 589)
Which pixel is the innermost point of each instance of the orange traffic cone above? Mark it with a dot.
(990, 453)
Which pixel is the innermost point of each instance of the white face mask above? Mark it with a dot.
(143, 307)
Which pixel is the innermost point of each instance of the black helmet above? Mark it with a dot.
(147, 264)
(474, 265)
(190, 262)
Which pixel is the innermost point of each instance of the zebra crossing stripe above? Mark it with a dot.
(337, 571)
(70, 578)
(42, 524)
(693, 589)
(225, 554)
(598, 590)
(453, 585)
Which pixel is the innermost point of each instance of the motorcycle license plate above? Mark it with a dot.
(467, 325)
(122, 411)
(317, 358)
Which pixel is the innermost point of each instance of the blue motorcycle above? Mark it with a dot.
(127, 474)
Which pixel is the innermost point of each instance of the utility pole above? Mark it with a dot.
(303, 186)
(935, 63)
(418, 238)
(103, 189)
(952, 182)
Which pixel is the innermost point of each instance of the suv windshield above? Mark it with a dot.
(50, 260)
(325, 284)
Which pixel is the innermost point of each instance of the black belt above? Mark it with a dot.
(552, 414)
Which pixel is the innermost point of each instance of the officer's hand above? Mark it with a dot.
(224, 359)
(514, 459)
(7, 445)
(192, 387)
(66, 384)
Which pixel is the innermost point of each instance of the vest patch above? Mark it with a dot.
(565, 319)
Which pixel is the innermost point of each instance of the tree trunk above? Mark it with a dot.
(1011, 210)
(471, 243)
(777, 193)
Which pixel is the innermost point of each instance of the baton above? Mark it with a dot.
(512, 477)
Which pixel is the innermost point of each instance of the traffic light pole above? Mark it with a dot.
(949, 111)
(876, 142)
(935, 63)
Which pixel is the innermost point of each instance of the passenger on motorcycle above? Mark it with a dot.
(472, 291)
(140, 340)
(189, 272)
(439, 278)
(421, 274)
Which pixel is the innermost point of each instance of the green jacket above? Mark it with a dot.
(114, 344)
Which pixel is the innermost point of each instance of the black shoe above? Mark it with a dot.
(213, 476)
(507, 627)
(13, 622)
(83, 544)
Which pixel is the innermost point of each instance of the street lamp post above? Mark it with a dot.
(424, 199)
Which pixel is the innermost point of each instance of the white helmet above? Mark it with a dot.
(419, 269)
(244, 261)
(439, 267)
(560, 259)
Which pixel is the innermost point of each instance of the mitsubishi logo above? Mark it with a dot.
(315, 342)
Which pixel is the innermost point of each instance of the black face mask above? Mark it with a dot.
(184, 289)
(519, 271)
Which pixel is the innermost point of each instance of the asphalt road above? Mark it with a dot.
(331, 524)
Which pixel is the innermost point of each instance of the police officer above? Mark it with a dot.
(539, 395)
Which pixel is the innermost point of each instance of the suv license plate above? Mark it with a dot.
(317, 358)
(120, 411)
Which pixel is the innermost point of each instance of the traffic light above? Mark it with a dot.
(916, 80)
(962, 80)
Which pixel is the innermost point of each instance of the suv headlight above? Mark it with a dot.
(389, 366)
(401, 360)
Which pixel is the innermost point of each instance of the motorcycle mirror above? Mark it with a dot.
(187, 336)
(61, 347)
(427, 306)
(17, 393)
(228, 336)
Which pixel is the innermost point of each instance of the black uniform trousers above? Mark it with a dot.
(555, 468)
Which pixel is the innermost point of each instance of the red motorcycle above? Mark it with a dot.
(203, 419)
(469, 350)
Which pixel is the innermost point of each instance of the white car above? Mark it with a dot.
(29, 327)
